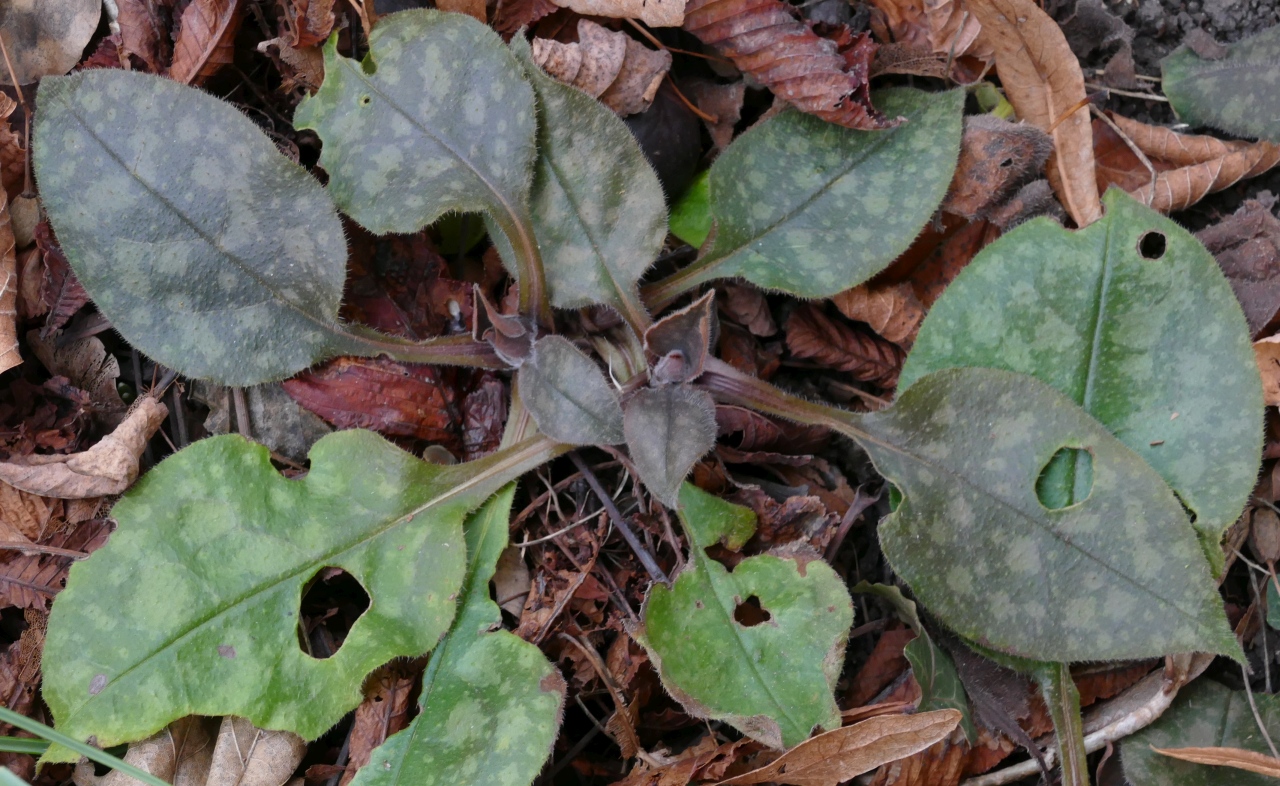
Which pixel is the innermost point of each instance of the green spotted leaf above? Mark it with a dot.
(1205, 714)
(1236, 93)
(597, 205)
(568, 395)
(1119, 575)
(192, 607)
(691, 214)
(437, 118)
(490, 702)
(771, 680)
(811, 208)
(1133, 321)
(668, 428)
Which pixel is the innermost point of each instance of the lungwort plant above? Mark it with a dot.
(1079, 423)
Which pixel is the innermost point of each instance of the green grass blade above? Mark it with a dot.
(105, 759)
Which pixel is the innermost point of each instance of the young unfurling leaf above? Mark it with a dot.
(568, 395)
(668, 428)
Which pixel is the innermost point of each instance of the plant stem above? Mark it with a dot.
(660, 294)
(1063, 701)
(445, 350)
(646, 559)
(530, 279)
(731, 386)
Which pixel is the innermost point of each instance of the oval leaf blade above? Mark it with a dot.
(772, 681)
(568, 395)
(206, 248)
(667, 430)
(437, 118)
(1151, 343)
(810, 208)
(1117, 576)
(207, 625)
(597, 205)
(1235, 93)
(490, 703)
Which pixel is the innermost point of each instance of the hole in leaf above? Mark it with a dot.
(331, 603)
(750, 613)
(1066, 479)
(1005, 164)
(1151, 245)
(365, 100)
(1191, 514)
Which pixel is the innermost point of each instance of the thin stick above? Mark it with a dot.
(36, 548)
(646, 559)
(242, 413)
(581, 520)
(628, 728)
(1257, 719)
(709, 118)
(651, 39)
(1128, 93)
(1129, 143)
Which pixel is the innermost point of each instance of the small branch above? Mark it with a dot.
(36, 548)
(646, 559)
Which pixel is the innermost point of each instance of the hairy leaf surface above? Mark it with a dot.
(192, 607)
(1119, 575)
(597, 205)
(811, 208)
(1205, 714)
(668, 429)
(568, 395)
(1236, 93)
(772, 681)
(490, 702)
(437, 118)
(206, 248)
(1153, 345)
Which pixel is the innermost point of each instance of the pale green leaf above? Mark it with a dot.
(668, 429)
(811, 208)
(490, 702)
(1157, 349)
(1118, 576)
(1205, 714)
(192, 606)
(568, 395)
(1236, 93)
(206, 248)
(691, 214)
(771, 681)
(437, 118)
(597, 205)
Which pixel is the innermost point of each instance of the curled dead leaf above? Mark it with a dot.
(655, 13)
(249, 756)
(1043, 81)
(9, 354)
(180, 753)
(836, 756)
(1236, 758)
(605, 64)
(107, 468)
(813, 335)
(205, 39)
(1267, 352)
(893, 311)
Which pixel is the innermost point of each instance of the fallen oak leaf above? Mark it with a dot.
(763, 38)
(205, 39)
(1236, 758)
(107, 468)
(836, 756)
(1043, 81)
(1166, 144)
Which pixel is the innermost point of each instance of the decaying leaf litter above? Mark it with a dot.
(828, 408)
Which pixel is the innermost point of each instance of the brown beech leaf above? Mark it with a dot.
(248, 756)
(764, 38)
(143, 33)
(680, 342)
(941, 764)
(60, 290)
(107, 468)
(29, 581)
(1236, 758)
(1267, 353)
(996, 159)
(836, 756)
(384, 711)
(511, 15)
(86, 363)
(205, 39)
(9, 355)
(1166, 144)
(1247, 247)
(472, 8)
(309, 22)
(398, 399)
(1043, 81)
(655, 13)
(892, 310)
(813, 335)
(605, 64)
(722, 103)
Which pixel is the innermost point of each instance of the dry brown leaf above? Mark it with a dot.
(723, 103)
(1267, 352)
(23, 516)
(248, 756)
(763, 38)
(309, 22)
(837, 756)
(511, 581)
(1236, 758)
(299, 66)
(813, 335)
(1043, 81)
(205, 39)
(30, 581)
(996, 159)
(905, 22)
(1178, 189)
(892, 311)
(13, 156)
(511, 15)
(954, 31)
(86, 363)
(606, 64)
(1178, 149)
(60, 290)
(654, 13)
(1247, 247)
(907, 59)
(472, 8)
(747, 306)
(384, 711)
(9, 354)
(107, 468)
(143, 33)
(45, 38)
(179, 753)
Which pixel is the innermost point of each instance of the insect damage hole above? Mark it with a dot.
(750, 613)
(1067, 479)
(331, 603)
(1151, 245)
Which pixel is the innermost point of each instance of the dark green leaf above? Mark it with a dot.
(1205, 714)
(568, 395)
(773, 680)
(1157, 349)
(668, 428)
(1236, 93)
(192, 607)
(812, 208)
(1120, 575)
(490, 702)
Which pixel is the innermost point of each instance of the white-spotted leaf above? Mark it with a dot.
(668, 428)
(1236, 93)
(568, 395)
